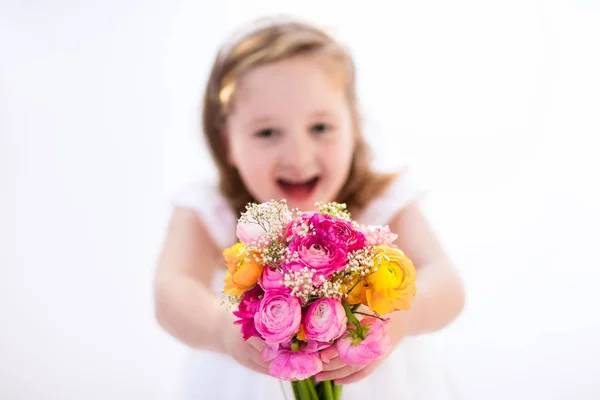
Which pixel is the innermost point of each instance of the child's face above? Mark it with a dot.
(290, 132)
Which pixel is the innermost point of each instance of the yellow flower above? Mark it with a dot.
(392, 287)
(358, 293)
(243, 270)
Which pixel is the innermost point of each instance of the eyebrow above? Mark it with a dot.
(267, 119)
(322, 113)
(262, 120)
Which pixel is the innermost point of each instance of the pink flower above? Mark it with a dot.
(248, 232)
(325, 320)
(358, 352)
(338, 231)
(261, 221)
(278, 317)
(292, 365)
(318, 253)
(378, 235)
(247, 309)
(271, 278)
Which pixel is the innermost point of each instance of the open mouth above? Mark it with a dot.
(298, 190)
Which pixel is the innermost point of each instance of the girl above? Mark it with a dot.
(281, 118)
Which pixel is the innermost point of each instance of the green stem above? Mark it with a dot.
(327, 390)
(337, 391)
(370, 315)
(352, 318)
(303, 391)
(295, 345)
(310, 386)
(296, 388)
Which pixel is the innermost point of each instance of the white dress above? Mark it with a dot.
(411, 372)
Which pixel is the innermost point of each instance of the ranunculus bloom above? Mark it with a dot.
(292, 365)
(249, 232)
(378, 235)
(278, 317)
(358, 293)
(271, 278)
(325, 320)
(340, 232)
(264, 219)
(392, 287)
(358, 352)
(318, 253)
(242, 270)
(249, 305)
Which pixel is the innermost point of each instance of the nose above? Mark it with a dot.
(298, 155)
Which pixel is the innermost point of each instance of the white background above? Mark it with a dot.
(495, 105)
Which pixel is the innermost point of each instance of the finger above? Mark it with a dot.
(329, 353)
(254, 356)
(337, 374)
(251, 365)
(355, 377)
(257, 343)
(333, 364)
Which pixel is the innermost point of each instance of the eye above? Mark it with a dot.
(320, 128)
(265, 133)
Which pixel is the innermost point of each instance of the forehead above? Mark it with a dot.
(292, 85)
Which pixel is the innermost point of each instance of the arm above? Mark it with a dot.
(440, 294)
(439, 298)
(184, 303)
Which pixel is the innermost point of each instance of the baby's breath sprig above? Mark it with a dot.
(302, 228)
(361, 262)
(230, 301)
(300, 282)
(335, 210)
(306, 285)
(273, 254)
(272, 217)
(330, 289)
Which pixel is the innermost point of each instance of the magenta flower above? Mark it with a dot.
(278, 317)
(358, 352)
(247, 309)
(338, 231)
(271, 278)
(292, 365)
(325, 320)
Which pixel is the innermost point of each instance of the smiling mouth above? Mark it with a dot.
(298, 190)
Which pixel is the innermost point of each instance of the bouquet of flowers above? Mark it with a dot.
(305, 281)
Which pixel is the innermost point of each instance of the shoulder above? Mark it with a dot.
(402, 191)
(214, 212)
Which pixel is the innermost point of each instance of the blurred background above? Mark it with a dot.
(494, 105)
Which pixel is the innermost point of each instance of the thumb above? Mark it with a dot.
(256, 342)
(329, 353)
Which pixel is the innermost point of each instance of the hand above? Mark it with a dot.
(337, 370)
(245, 352)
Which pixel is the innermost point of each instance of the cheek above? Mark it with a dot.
(338, 155)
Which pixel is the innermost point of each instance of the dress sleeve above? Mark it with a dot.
(213, 210)
(401, 192)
